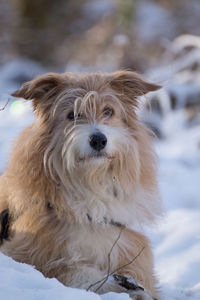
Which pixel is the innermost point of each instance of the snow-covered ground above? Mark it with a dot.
(176, 239)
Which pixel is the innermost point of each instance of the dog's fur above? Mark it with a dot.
(67, 202)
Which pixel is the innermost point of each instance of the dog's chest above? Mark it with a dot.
(92, 244)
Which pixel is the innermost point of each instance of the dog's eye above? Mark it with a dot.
(108, 112)
(70, 116)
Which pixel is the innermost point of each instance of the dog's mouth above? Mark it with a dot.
(96, 156)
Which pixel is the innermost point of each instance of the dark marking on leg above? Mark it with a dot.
(49, 206)
(4, 225)
(114, 191)
(127, 283)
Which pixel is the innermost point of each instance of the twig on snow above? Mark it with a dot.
(102, 281)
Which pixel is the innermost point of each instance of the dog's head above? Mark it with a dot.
(89, 128)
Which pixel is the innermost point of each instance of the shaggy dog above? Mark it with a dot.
(78, 178)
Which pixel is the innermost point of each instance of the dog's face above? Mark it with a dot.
(88, 132)
(90, 120)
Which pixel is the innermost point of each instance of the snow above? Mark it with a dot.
(176, 239)
(16, 72)
(12, 121)
(21, 281)
(96, 9)
(153, 22)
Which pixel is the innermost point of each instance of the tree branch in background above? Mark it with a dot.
(1, 109)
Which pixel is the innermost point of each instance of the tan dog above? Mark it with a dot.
(77, 178)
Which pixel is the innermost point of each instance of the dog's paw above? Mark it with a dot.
(134, 290)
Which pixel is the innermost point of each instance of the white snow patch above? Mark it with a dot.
(20, 281)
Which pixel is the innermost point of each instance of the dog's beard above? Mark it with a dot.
(92, 170)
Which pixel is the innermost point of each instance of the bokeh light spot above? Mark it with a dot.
(17, 107)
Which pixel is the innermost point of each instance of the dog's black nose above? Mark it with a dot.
(98, 141)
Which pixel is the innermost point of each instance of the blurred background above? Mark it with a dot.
(157, 38)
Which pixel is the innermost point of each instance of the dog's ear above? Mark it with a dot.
(44, 86)
(131, 85)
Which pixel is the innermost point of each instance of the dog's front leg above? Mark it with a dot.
(121, 284)
(92, 279)
(134, 290)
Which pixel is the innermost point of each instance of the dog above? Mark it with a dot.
(80, 181)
